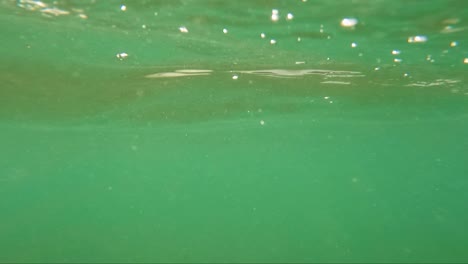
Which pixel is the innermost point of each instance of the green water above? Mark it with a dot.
(297, 147)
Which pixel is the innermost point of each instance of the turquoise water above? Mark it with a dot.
(174, 131)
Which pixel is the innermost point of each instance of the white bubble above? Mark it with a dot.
(353, 45)
(235, 77)
(272, 42)
(262, 35)
(453, 44)
(289, 16)
(123, 7)
(183, 29)
(395, 52)
(274, 15)
(465, 61)
(122, 55)
(417, 39)
(262, 122)
(225, 31)
(349, 22)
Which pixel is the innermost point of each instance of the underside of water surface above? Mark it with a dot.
(233, 131)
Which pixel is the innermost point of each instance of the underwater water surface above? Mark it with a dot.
(233, 131)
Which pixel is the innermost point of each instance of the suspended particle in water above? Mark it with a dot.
(272, 42)
(121, 56)
(349, 22)
(453, 44)
(395, 52)
(183, 29)
(289, 16)
(123, 7)
(417, 39)
(262, 122)
(225, 31)
(465, 61)
(274, 15)
(353, 45)
(235, 77)
(262, 35)
(397, 60)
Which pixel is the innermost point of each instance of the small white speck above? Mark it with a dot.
(349, 22)
(299, 39)
(262, 35)
(453, 44)
(405, 75)
(225, 31)
(465, 61)
(331, 102)
(353, 45)
(123, 7)
(289, 16)
(300, 62)
(262, 122)
(183, 29)
(272, 41)
(376, 68)
(395, 52)
(397, 60)
(235, 77)
(274, 15)
(143, 26)
(122, 55)
(417, 39)
(326, 97)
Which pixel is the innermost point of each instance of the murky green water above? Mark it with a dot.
(233, 131)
